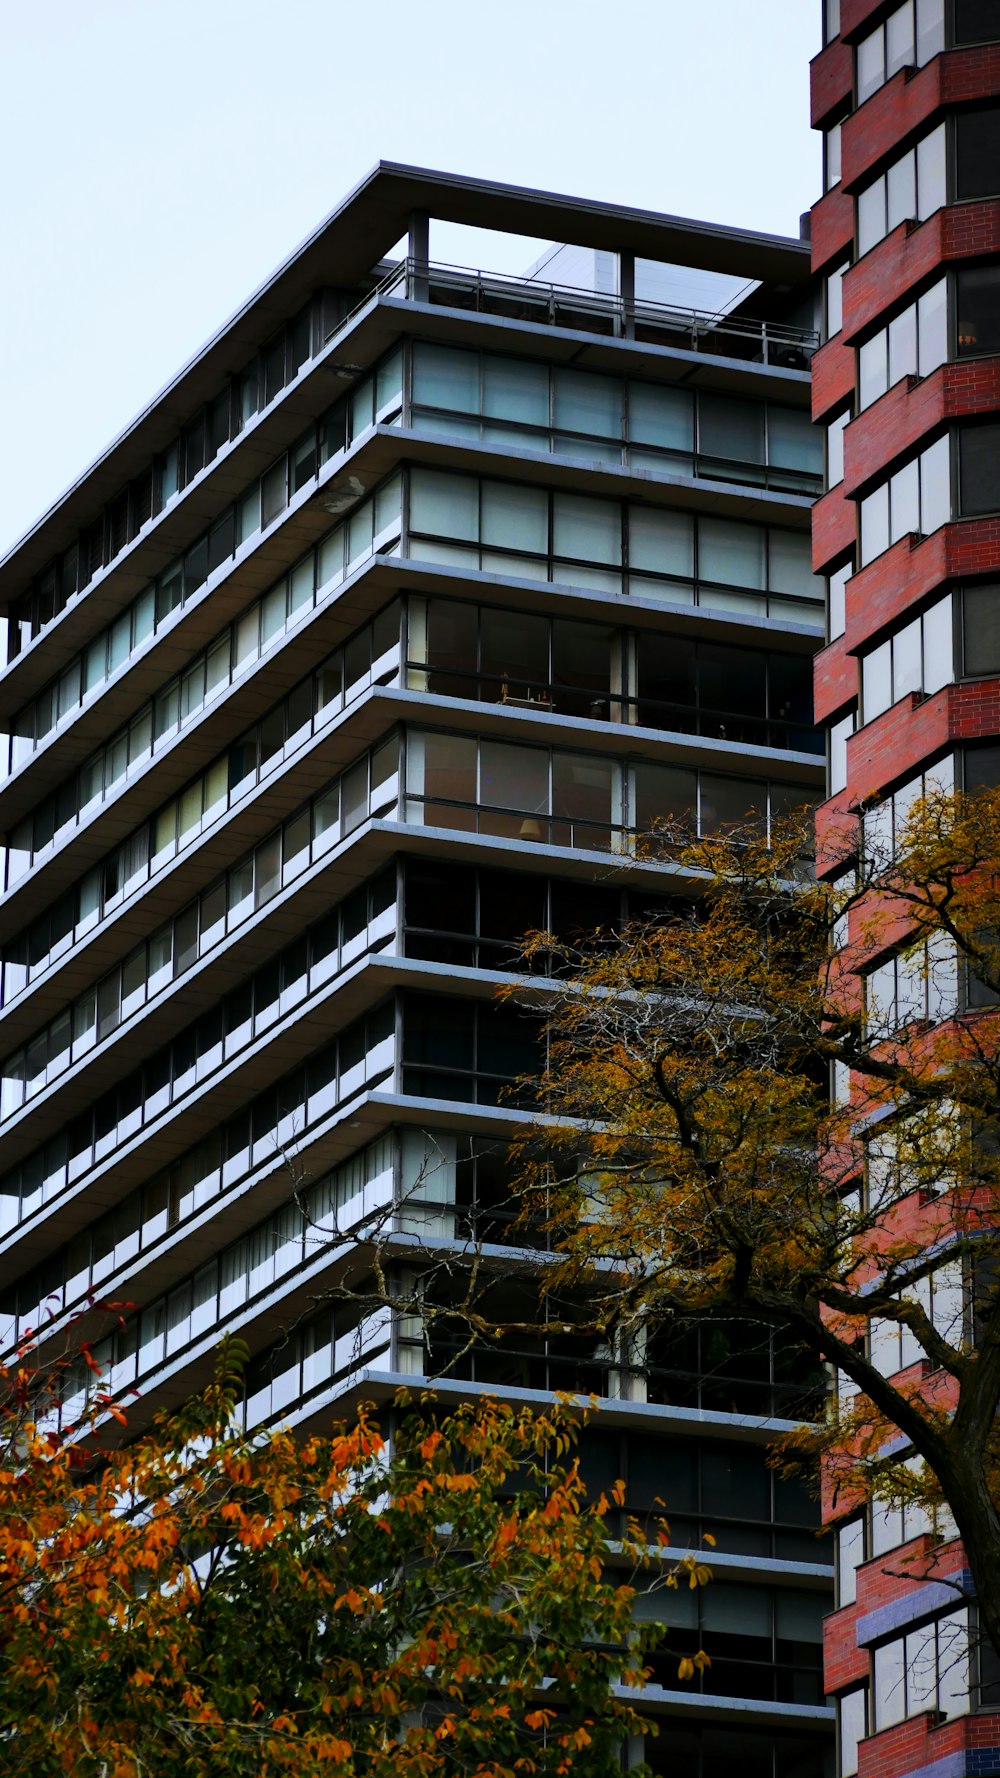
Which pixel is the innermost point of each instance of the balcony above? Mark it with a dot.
(591, 311)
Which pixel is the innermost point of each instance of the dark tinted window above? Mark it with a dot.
(976, 21)
(978, 310)
(979, 469)
(977, 154)
(982, 768)
(981, 629)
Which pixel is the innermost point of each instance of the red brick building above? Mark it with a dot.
(906, 242)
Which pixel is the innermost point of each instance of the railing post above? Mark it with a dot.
(418, 252)
(626, 293)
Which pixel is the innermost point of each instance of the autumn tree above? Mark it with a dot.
(779, 1108)
(205, 1601)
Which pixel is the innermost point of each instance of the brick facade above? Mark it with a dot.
(917, 730)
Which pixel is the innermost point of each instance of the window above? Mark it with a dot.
(916, 499)
(852, 1727)
(979, 607)
(883, 825)
(835, 448)
(851, 1553)
(835, 300)
(976, 21)
(908, 38)
(927, 1669)
(917, 658)
(978, 469)
(831, 157)
(912, 188)
(977, 309)
(505, 528)
(551, 408)
(840, 734)
(836, 598)
(919, 984)
(914, 344)
(977, 154)
(831, 20)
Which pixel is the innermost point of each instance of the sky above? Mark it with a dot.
(163, 156)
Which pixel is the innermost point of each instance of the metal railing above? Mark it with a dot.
(593, 311)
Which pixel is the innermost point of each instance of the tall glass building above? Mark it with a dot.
(370, 645)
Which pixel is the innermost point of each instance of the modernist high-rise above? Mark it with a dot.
(906, 241)
(364, 649)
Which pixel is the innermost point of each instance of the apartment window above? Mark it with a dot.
(920, 983)
(916, 499)
(851, 1553)
(979, 608)
(840, 734)
(912, 187)
(836, 600)
(977, 309)
(831, 157)
(884, 824)
(835, 300)
(913, 344)
(908, 38)
(835, 448)
(978, 469)
(918, 658)
(925, 1670)
(976, 21)
(831, 20)
(852, 1727)
(977, 154)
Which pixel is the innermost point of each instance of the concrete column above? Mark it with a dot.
(418, 252)
(626, 291)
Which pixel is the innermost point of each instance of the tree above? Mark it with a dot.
(695, 1166)
(204, 1601)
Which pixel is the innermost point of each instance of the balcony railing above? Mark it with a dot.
(593, 311)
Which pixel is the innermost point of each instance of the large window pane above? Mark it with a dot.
(443, 377)
(871, 215)
(515, 518)
(935, 485)
(977, 154)
(903, 345)
(790, 564)
(442, 766)
(444, 505)
(584, 403)
(904, 496)
(731, 553)
(515, 390)
(979, 469)
(932, 172)
(793, 442)
(981, 629)
(515, 656)
(662, 793)
(662, 417)
(731, 428)
(661, 542)
(590, 530)
(978, 310)
(730, 802)
(583, 789)
(513, 777)
(976, 21)
(901, 191)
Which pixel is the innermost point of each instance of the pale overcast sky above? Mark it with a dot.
(162, 156)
